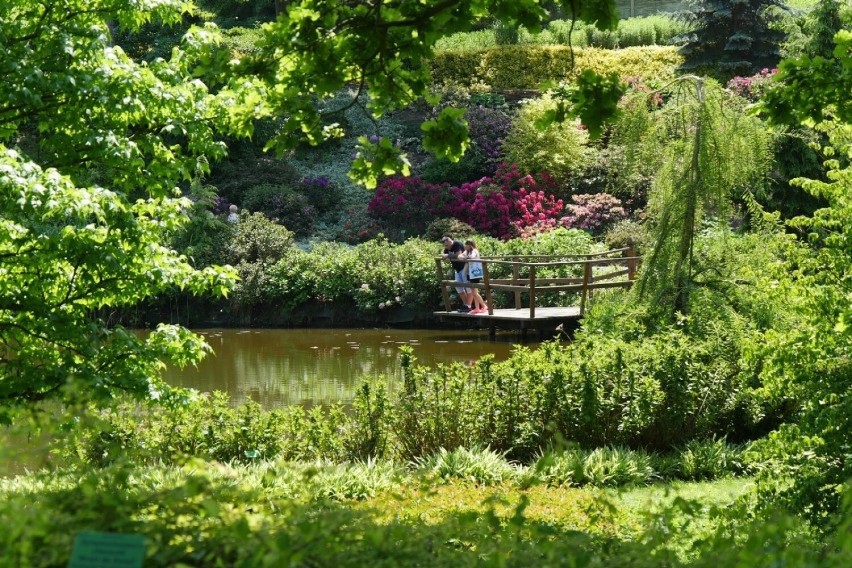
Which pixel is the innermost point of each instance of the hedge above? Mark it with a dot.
(527, 67)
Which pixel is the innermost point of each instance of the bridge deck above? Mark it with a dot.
(542, 315)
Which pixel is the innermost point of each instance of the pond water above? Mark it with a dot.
(279, 367)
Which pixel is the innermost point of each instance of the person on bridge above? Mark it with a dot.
(454, 250)
(474, 276)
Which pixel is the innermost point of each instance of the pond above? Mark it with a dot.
(279, 367)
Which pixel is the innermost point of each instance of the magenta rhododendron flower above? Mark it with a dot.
(505, 203)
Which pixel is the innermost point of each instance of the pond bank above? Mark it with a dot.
(196, 313)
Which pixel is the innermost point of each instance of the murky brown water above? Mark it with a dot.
(279, 367)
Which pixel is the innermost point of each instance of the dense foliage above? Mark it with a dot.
(705, 150)
(631, 32)
(560, 148)
(381, 277)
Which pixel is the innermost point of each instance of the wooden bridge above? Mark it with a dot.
(539, 279)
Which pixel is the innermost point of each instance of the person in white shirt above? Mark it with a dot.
(474, 274)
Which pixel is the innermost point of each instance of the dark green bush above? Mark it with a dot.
(641, 31)
(249, 167)
(283, 204)
(204, 238)
(369, 430)
(625, 233)
(708, 459)
(473, 165)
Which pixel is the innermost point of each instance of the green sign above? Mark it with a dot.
(107, 550)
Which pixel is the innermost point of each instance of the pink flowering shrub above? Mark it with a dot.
(506, 203)
(593, 212)
(407, 204)
(752, 88)
(538, 210)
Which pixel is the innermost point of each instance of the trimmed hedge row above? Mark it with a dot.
(527, 67)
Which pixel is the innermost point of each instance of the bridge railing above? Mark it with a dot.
(528, 275)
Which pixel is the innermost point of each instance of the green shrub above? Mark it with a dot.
(614, 467)
(434, 409)
(602, 467)
(360, 480)
(523, 67)
(210, 428)
(640, 31)
(473, 165)
(626, 233)
(292, 280)
(708, 459)
(281, 203)
(256, 243)
(369, 430)
(259, 197)
(561, 149)
(203, 238)
(505, 34)
(257, 239)
(249, 167)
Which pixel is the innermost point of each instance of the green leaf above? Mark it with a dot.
(447, 135)
(595, 99)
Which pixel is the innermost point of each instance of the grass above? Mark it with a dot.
(609, 512)
(357, 514)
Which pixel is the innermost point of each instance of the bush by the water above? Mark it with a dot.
(379, 275)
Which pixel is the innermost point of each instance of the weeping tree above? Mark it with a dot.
(703, 150)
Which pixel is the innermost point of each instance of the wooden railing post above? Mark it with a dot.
(516, 277)
(532, 292)
(486, 280)
(441, 275)
(587, 277)
(631, 260)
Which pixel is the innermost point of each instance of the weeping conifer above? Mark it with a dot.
(702, 149)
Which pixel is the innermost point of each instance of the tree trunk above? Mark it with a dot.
(683, 268)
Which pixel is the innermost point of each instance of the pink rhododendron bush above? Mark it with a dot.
(593, 212)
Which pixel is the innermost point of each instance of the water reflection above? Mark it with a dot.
(278, 367)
